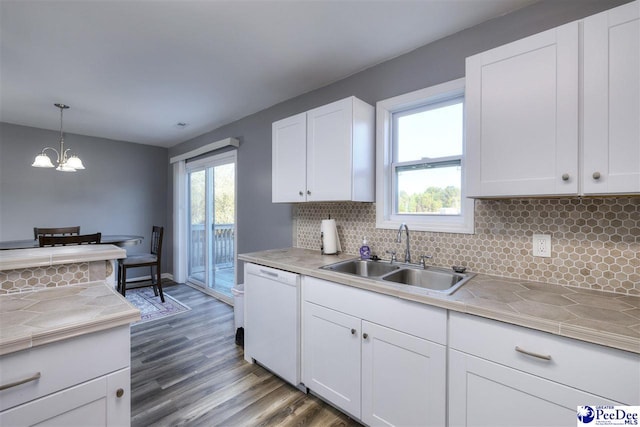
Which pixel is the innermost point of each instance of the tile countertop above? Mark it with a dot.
(35, 318)
(44, 257)
(604, 318)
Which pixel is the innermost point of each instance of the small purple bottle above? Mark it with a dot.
(365, 251)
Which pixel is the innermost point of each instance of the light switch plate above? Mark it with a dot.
(542, 245)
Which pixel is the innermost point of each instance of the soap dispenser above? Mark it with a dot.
(365, 251)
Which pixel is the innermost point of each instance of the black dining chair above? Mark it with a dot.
(80, 239)
(151, 260)
(55, 231)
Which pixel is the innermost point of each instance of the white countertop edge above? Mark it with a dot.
(44, 257)
(72, 331)
(108, 321)
(14, 345)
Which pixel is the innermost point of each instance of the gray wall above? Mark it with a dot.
(263, 225)
(127, 187)
(123, 189)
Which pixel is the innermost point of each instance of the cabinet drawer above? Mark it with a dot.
(92, 403)
(63, 364)
(416, 319)
(607, 372)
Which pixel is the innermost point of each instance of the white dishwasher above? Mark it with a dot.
(272, 320)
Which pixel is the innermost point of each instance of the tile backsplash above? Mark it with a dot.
(36, 278)
(595, 241)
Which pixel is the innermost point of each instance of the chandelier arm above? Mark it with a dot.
(51, 148)
(64, 153)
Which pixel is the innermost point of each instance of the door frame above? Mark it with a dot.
(183, 245)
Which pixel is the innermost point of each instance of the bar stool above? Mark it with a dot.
(152, 259)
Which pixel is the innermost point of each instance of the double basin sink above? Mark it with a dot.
(439, 280)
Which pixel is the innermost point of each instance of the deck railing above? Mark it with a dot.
(223, 246)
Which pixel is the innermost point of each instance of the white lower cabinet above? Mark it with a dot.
(332, 356)
(93, 403)
(365, 359)
(388, 361)
(80, 381)
(403, 378)
(506, 375)
(484, 393)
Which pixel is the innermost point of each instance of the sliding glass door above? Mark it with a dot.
(211, 191)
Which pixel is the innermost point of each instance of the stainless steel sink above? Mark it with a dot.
(435, 279)
(439, 280)
(362, 268)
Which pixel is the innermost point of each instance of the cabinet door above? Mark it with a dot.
(331, 366)
(329, 151)
(522, 116)
(288, 162)
(92, 403)
(403, 378)
(612, 101)
(119, 398)
(483, 393)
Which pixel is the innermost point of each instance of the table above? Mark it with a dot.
(110, 239)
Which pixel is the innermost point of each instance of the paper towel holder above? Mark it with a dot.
(329, 239)
(322, 246)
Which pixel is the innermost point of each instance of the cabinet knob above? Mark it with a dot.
(596, 175)
(119, 393)
(365, 336)
(308, 192)
(565, 177)
(301, 193)
(353, 331)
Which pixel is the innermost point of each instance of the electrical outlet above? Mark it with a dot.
(542, 245)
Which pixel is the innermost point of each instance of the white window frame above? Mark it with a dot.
(463, 223)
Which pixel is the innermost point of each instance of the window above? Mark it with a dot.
(420, 162)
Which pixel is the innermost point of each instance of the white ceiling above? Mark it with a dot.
(131, 70)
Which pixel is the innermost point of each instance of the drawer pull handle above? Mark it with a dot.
(119, 393)
(34, 377)
(530, 353)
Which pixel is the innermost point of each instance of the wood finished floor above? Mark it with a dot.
(187, 370)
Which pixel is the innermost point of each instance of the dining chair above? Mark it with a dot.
(57, 231)
(151, 260)
(80, 239)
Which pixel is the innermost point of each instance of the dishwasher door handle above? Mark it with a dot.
(268, 273)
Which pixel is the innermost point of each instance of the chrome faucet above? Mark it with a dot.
(407, 252)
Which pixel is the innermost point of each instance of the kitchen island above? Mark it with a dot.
(64, 345)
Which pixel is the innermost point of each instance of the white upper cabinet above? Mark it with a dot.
(522, 116)
(558, 113)
(289, 159)
(612, 101)
(325, 154)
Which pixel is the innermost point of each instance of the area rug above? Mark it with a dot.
(150, 306)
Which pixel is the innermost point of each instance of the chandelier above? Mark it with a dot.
(65, 163)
